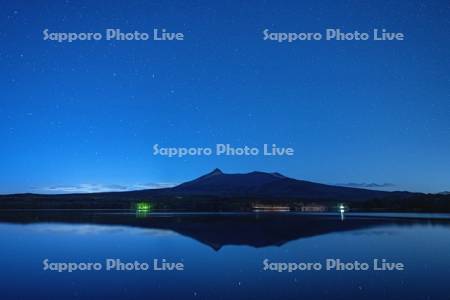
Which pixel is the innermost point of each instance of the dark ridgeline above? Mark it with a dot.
(273, 185)
(217, 191)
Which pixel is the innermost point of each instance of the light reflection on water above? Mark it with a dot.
(223, 256)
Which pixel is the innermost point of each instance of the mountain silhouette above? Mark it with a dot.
(217, 191)
(272, 185)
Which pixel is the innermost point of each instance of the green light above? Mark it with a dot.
(144, 206)
(143, 209)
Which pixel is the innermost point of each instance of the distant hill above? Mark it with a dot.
(274, 185)
(218, 191)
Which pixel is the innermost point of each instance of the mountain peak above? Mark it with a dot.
(216, 171)
(213, 173)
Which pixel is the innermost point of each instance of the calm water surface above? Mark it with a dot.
(223, 255)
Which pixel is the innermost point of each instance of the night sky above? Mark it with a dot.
(84, 116)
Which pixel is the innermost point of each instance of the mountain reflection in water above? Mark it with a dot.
(221, 229)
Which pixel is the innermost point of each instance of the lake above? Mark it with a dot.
(224, 255)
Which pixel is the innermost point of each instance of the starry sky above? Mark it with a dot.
(84, 116)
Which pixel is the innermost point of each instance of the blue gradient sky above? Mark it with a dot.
(89, 112)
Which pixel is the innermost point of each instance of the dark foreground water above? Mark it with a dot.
(223, 255)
